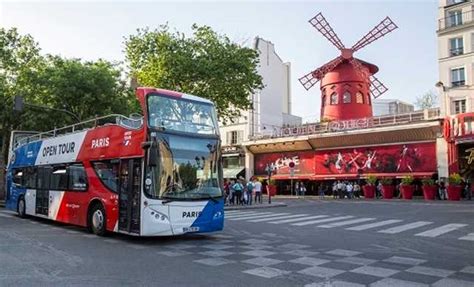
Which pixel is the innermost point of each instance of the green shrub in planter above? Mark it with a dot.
(386, 181)
(371, 179)
(407, 180)
(427, 181)
(455, 178)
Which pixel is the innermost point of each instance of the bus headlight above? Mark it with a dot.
(159, 216)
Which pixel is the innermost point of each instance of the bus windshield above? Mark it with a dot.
(183, 115)
(187, 170)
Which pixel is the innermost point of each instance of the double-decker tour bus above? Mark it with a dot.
(150, 175)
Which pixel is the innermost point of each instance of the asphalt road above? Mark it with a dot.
(307, 243)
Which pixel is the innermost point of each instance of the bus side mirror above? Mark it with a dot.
(151, 148)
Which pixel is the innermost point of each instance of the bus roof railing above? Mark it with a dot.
(135, 121)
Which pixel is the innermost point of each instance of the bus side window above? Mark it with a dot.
(77, 177)
(108, 172)
(59, 178)
(30, 175)
(18, 176)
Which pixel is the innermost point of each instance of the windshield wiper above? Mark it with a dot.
(208, 196)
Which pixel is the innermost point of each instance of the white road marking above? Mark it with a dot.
(405, 227)
(298, 219)
(247, 214)
(441, 230)
(347, 222)
(469, 237)
(322, 220)
(373, 225)
(258, 216)
(278, 217)
(6, 215)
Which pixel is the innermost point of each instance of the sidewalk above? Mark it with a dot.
(255, 206)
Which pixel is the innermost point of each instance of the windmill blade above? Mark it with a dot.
(310, 79)
(376, 87)
(382, 29)
(320, 23)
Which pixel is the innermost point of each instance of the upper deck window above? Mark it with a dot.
(183, 115)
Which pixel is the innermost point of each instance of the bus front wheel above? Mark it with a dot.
(97, 220)
(22, 208)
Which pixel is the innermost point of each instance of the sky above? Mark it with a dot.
(407, 57)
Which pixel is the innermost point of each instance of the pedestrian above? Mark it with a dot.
(442, 191)
(339, 189)
(231, 192)
(257, 187)
(264, 187)
(321, 191)
(349, 190)
(238, 188)
(302, 189)
(378, 190)
(226, 192)
(249, 191)
(297, 188)
(334, 190)
(356, 190)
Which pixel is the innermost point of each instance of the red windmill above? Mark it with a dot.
(347, 82)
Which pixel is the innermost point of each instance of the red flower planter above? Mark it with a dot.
(272, 189)
(429, 191)
(369, 191)
(387, 191)
(454, 192)
(407, 191)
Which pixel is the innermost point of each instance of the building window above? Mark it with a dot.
(458, 77)
(346, 97)
(359, 98)
(459, 106)
(235, 137)
(454, 18)
(368, 99)
(456, 46)
(334, 99)
(323, 100)
(451, 2)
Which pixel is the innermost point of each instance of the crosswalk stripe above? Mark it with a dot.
(298, 219)
(259, 216)
(347, 222)
(5, 215)
(322, 220)
(373, 225)
(441, 230)
(469, 237)
(278, 217)
(405, 227)
(248, 214)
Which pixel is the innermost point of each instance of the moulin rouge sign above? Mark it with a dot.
(350, 124)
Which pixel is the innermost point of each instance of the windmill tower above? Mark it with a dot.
(347, 83)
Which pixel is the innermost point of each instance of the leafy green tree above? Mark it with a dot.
(86, 89)
(19, 58)
(207, 65)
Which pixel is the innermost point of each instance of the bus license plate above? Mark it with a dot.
(190, 229)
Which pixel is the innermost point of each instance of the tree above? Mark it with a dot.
(86, 89)
(207, 65)
(19, 58)
(427, 101)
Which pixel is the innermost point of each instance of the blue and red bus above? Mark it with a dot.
(159, 173)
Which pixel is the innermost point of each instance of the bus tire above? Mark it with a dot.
(97, 219)
(21, 209)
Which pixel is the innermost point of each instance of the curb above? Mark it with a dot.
(245, 207)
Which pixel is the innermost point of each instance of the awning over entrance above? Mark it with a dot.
(232, 172)
(378, 175)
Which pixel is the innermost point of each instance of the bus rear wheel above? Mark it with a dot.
(22, 208)
(97, 220)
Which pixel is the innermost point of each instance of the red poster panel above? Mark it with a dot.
(304, 163)
(420, 157)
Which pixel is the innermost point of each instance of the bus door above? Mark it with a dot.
(42, 191)
(129, 195)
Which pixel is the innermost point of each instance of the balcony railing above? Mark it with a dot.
(458, 83)
(355, 124)
(456, 51)
(456, 20)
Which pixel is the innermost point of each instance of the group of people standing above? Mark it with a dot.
(241, 192)
(343, 189)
